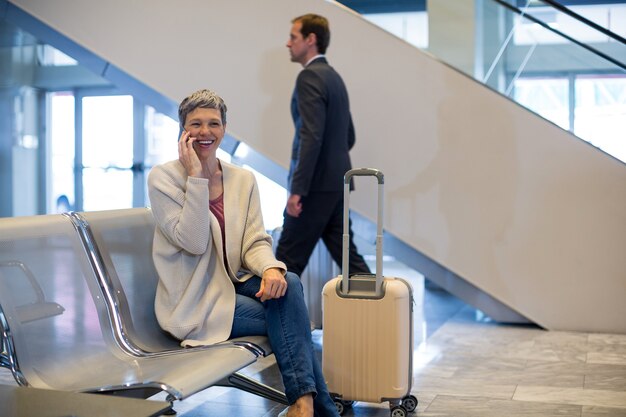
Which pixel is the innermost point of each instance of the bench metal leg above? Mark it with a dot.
(247, 384)
(170, 411)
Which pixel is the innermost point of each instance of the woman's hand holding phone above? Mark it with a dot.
(187, 155)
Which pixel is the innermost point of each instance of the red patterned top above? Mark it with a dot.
(217, 208)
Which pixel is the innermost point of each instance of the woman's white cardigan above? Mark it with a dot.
(195, 298)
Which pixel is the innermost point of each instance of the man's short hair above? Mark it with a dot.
(314, 23)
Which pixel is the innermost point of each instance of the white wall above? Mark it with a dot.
(510, 202)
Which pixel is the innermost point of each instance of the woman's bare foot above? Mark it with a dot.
(303, 407)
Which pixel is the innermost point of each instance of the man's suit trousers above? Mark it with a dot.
(321, 217)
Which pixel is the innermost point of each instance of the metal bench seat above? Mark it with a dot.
(57, 330)
(120, 249)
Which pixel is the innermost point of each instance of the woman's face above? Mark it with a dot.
(206, 129)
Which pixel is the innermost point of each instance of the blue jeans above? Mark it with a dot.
(286, 323)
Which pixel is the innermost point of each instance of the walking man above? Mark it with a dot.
(324, 135)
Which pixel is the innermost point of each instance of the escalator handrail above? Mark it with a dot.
(558, 32)
(584, 20)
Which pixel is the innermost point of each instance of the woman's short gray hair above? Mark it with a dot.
(205, 99)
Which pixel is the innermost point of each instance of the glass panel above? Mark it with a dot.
(105, 189)
(161, 137)
(273, 200)
(521, 57)
(410, 26)
(49, 56)
(550, 51)
(548, 97)
(61, 195)
(608, 16)
(601, 113)
(618, 20)
(107, 152)
(529, 33)
(273, 196)
(108, 131)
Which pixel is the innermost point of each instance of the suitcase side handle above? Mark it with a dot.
(345, 261)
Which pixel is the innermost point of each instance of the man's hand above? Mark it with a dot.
(273, 285)
(294, 206)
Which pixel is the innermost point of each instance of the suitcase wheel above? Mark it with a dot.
(342, 405)
(398, 411)
(409, 403)
(341, 408)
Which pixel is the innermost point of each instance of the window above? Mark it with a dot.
(61, 145)
(548, 97)
(600, 112)
(107, 157)
(611, 17)
(410, 26)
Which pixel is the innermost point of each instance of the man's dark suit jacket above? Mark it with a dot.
(324, 133)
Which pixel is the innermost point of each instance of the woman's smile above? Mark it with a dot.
(205, 143)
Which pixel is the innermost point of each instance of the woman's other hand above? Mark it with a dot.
(273, 285)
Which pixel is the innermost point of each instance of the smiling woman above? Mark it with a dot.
(204, 128)
(218, 277)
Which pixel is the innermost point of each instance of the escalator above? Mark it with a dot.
(503, 208)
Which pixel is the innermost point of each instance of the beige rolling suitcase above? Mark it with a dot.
(367, 328)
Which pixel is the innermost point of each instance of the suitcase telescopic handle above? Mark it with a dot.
(345, 281)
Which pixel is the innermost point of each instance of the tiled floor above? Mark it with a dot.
(467, 366)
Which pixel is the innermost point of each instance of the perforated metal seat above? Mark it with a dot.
(121, 251)
(58, 332)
